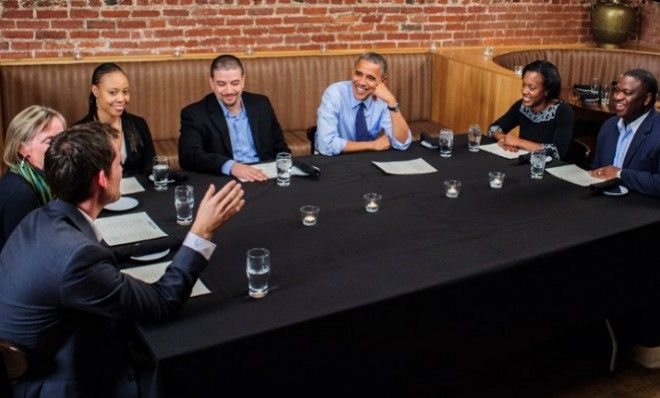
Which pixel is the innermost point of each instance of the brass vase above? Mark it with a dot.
(612, 22)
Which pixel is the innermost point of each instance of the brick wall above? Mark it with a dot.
(650, 29)
(60, 28)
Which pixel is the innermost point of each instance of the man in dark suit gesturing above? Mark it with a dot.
(62, 297)
(229, 128)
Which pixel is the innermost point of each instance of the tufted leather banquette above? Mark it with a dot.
(160, 88)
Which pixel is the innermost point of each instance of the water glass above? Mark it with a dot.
(474, 138)
(518, 70)
(184, 202)
(537, 164)
(160, 172)
(283, 163)
(372, 202)
(452, 188)
(488, 51)
(446, 140)
(496, 179)
(309, 215)
(258, 272)
(605, 94)
(595, 85)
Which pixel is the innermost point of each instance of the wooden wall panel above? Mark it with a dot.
(469, 88)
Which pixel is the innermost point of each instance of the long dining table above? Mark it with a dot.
(422, 290)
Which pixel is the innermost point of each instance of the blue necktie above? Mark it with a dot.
(361, 131)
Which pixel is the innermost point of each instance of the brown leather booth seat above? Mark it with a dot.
(579, 66)
(161, 88)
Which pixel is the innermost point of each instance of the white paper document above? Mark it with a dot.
(128, 228)
(573, 174)
(270, 170)
(130, 185)
(497, 150)
(415, 166)
(151, 273)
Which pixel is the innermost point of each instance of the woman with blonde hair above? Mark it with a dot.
(23, 187)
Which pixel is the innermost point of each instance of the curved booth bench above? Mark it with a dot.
(579, 66)
(162, 85)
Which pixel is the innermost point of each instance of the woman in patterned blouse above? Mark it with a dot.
(545, 121)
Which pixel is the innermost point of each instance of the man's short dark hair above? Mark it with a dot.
(374, 58)
(76, 156)
(648, 81)
(226, 62)
(551, 78)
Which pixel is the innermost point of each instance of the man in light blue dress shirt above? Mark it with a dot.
(229, 128)
(340, 106)
(628, 145)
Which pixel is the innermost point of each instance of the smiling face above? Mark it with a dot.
(35, 149)
(366, 76)
(112, 96)
(533, 92)
(630, 98)
(227, 85)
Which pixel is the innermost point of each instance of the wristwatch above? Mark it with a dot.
(394, 108)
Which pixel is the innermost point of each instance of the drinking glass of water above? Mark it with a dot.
(446, 142)
(283, 163)
(184, 202)
(537, 164)
(160, 172)
(474, 137)
(595, 85)
(258, 272)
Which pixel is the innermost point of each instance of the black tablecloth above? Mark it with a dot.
(419, 246)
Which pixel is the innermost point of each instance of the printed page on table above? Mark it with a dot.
(406, 167)
(152, 273)
(497, 150)
(130, 185)
(270, 169)
(573, 174)
(128, 228)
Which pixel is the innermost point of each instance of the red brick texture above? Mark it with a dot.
(61, 28)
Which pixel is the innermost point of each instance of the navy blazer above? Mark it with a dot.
(641, 166)
(63, 299)
(205, 144)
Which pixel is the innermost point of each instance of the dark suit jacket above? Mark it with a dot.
(140, 150)
(641, 166)
(64, 300)
(204, 144)
(17, 199)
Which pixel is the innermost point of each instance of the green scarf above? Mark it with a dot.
(35, 178)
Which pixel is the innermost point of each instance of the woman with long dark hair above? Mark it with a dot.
(108, 99)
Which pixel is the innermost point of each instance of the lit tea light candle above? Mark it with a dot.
(496, 183)
(309, 215)
(372, 202)
(452, 188)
